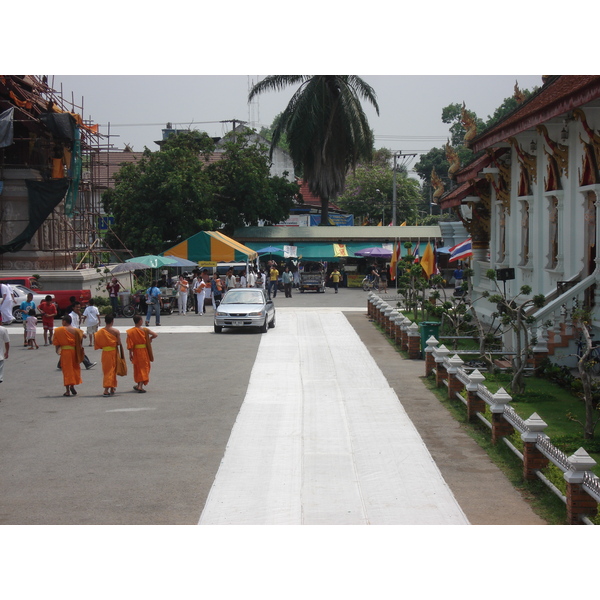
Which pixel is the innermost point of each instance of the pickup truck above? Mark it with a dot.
(61, 297)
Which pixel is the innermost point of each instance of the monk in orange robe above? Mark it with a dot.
(69, 344)
(108, 339)
(139, 344)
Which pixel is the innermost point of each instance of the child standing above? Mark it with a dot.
(91, 318)
(31, 326)
(48, 310)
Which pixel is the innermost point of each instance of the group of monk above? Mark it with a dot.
(69, 344)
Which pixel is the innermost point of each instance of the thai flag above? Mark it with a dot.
(461, 251)
(415, 254)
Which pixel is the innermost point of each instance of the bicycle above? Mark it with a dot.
(593, 359)
(370, 283)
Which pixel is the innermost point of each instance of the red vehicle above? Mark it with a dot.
(61, 297)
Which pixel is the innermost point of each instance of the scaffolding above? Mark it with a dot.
(69, 239)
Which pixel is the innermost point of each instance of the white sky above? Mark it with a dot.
(410, 106)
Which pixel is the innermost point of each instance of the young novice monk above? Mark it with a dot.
(139, 344)
(68, 341)
(109, 339)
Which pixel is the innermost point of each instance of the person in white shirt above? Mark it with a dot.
(91, 318)
(6, 304)
(251, 278)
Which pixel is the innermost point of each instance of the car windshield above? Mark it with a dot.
(243, 297)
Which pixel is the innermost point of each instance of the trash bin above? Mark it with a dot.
(124, 297)
(428, 329)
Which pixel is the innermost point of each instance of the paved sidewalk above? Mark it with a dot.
(322, 439)
(482, 490)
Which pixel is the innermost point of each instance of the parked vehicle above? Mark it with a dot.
(245, 307)
(21, 293)
(61, 297)
(312, 277)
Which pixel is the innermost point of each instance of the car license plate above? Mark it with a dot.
(237, 323)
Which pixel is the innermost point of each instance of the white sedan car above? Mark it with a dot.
(21, 296)
(245, 307)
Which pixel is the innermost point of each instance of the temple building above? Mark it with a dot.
(529, 200)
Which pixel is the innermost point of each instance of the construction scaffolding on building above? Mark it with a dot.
(49, 141)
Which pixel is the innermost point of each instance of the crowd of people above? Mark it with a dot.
(69, 341)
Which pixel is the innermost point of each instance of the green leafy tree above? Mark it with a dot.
(267, 133)
(157, 201)
(369, 191)
(327, 129)
(244, 191)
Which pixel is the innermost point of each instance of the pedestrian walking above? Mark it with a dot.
(108, 339)
(25, 307)
(30, 328)
(6, 304)
(217, 290)
(200, 286)
(113, 287)
(75, 315)
(139, 344)
(91, 319)
(335, 277)
(49, 311)
(183, 287)
(153, 300)
(273, 281)
(287, 278)
(68, 343)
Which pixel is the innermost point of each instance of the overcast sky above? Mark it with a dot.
(410, 106)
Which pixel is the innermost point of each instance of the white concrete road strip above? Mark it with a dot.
(321, 438)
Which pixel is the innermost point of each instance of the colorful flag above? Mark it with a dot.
(415, 254)
(461, 251)
(394, 261)
(428, 261)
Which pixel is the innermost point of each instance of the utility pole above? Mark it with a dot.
(394, 192)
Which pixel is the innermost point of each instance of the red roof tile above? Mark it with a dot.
(559, 95)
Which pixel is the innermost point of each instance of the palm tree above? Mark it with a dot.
(327, 129)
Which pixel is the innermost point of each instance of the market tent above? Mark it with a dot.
(212, 246)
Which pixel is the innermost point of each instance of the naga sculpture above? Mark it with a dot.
(452, 157)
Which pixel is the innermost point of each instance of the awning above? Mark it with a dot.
(211, 246)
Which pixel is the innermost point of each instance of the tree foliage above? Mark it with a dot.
(170, 195)
(369, 192)
(327, 129)
(156, 201)
(244, 191)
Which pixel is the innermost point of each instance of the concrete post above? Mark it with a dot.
(500, 426)
(455, 386)
(440, 370)
(533, 459)
(432, 344)
(579, 502)
(474, 403)
(414, 341)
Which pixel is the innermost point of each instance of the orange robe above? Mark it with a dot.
(109, 344)
(137, 340)
(71, 354)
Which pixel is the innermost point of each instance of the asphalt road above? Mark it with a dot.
(152, 458)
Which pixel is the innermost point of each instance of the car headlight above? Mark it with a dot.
(220, 313)
(256, 314)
